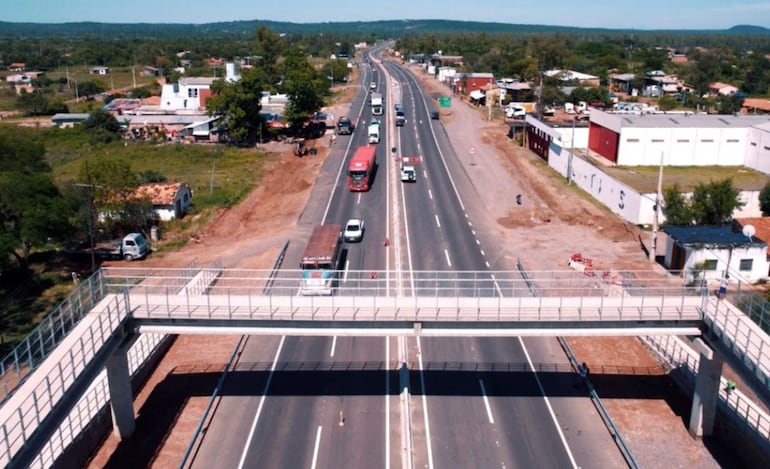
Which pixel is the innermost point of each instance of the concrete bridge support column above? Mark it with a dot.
(706, 394)
(121, 394)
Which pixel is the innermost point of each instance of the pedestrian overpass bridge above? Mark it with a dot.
(117, 305)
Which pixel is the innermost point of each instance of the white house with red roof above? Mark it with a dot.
(169, 200)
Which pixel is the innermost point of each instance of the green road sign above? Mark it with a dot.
(445, 101)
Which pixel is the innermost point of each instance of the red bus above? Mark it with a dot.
(361, 168)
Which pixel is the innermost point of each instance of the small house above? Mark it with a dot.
(711, 252)
(723, 89)
(169, 200)
(99, 71)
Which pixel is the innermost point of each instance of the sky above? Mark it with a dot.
(614, 14)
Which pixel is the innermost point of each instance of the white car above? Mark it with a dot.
(354, 230)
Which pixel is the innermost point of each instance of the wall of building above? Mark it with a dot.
(628, 203)
(758, 149)
(694, 257)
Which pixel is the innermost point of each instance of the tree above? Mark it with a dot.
(676, 207)
(102, 127)
(239, 106)
(714, 203)
(303, 86)
(32, 209)
(764, 200)
(33, 104)
(89, 88)
(111, 185)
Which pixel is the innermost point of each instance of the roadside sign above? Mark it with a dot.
(445, 101)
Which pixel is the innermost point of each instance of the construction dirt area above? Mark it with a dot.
(553, 222)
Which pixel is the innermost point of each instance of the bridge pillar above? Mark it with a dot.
(706, 393)
(121, 394)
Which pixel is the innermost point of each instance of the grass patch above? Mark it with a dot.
(219, 176)
(645, 178)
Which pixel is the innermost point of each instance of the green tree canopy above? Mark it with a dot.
(32, 209)
(111, 185)
(714, 203)
(239, 106)
(102, 127)
(33, 104)
(304, 88)
(764, 200)
(676, 207)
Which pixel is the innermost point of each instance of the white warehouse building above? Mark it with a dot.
(681, 139)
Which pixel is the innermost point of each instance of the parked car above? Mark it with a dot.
(434, 115)
(354, 230)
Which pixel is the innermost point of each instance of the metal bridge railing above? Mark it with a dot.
(31, 351)
(22, 414)
(683, 363)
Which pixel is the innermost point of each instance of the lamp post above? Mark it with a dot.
(658, 201)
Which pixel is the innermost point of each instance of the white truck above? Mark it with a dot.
(131, 247)
(376, 101)
(374, 131)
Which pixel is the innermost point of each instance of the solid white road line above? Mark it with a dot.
(334, 344)
(387, 404)
(424, 404)
(548, 404)
(486, 402)
(261, 404)
(315, 449)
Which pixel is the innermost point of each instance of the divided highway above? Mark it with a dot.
(331, 402)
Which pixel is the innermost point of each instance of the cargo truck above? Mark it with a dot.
(320, 260)
(344, 126)
(376, 104)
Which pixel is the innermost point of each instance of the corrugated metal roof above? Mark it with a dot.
(716, 236)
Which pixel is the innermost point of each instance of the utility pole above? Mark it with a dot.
(90, 186)
(569, 156)
(658, 201)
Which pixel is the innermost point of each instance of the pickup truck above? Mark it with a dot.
(131, 247)
(408, 173)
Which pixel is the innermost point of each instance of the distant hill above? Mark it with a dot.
(748, 30)
(385, 28)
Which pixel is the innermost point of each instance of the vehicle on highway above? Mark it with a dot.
(408, 173)
(319, 260)
(344, 126)
(354, 230)
(361, 168)
(434, 115)
(372, 86)
(400, 117)
(376, 104)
